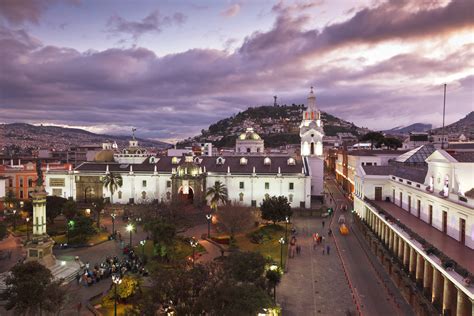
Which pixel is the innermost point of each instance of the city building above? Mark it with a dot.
(348, 161)
(422, 208)
(415, 139)
(249, 178)
(249, 142)
(21, 177)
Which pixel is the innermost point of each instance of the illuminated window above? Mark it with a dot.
(174, 160)
(143, 195)
(291, 161)
(220, 161)
(243, 161)
(267, 196)
(267, 161)
(241, 197)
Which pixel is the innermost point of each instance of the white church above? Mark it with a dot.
(248, 178)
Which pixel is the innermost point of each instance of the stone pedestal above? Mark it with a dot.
(41, 249)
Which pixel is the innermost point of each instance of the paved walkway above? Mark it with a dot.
(12, 244)
(448, 245)
(314, 283)
(375, 293)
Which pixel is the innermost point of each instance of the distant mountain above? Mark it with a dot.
(463, 126)
(417, 127)
(22, 136)
(277, 125)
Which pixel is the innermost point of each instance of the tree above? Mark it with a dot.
(273, 277)
(373, 138)
(81, 229)
(10, 200)
(127, 288)
(161, 231)
(392, 142)
(54, 206)
(217, 193)
(235, 218)
(3, 230)
(28, 207)
(98, 205)
(112, 181)
(70, 209)
(245, 266)
(30, 289)
(275, 209)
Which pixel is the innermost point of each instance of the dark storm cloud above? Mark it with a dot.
(19, 11)
(154, 22)
(179, 94)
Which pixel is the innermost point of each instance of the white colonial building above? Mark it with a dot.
(249, 178)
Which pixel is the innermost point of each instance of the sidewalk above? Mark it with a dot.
(314, 283)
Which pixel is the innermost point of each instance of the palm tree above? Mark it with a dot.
(112, 181)
(218, 193)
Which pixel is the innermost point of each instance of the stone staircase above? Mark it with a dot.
(66, 270)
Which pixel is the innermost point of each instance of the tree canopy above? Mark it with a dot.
(275, 209)
(30, 289)
(54, 206)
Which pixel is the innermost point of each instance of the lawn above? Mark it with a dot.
(182, 251)
(270, 247)
(96, 238)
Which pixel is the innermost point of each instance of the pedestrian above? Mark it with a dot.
(323, 224)
(328, 249)
(329, 232)
(78, 278)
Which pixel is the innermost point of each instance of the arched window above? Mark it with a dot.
(312, 148)
(220, 161)
(267, 161)
(168, 195)
(241, 197)
(143, 195)
(267, 196)
(119, 193)
(290, 198)
(291, 161)
(446, 186)
(243, 161)
(174, 160)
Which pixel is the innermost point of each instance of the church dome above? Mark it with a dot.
(249, 134)
(104, 156)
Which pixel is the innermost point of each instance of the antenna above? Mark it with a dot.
(444, 111)
(275, 102)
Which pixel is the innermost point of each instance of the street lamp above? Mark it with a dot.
(208, 217)
(70, 225)
(14, 220)
(142, 243)
(113, 224)
(117, 280)
(282, 242)
(194, 244)
(287, 220)
(130, 229)
(274, 267)
(27, 231)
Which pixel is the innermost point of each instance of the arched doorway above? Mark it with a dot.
(89, 194)
(187, 198)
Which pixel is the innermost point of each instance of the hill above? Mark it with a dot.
(417, 127)
(463, 126)
(25, 137)
(277, 125)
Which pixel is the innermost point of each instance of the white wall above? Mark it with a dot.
(3, 188)
(316, 166)
(69, 188)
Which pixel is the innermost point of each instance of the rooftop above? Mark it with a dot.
(417, 155)
(465, 156)
(375, 152)
(449, 246)
(415, 174)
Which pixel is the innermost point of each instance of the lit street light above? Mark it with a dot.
(208, 217)
(274, 267)
(113, 224)
(287, 220)
(142, 243)
(130, 229)
(194, 244)
(116, 280)
(27, 231)
(14, 220)
(282, 242)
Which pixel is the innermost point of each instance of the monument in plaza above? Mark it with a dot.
(40, 247)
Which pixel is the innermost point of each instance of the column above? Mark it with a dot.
(412, 263)
(406, 254)
(419, 269)
(390, 239)
(395, 244)
(400, 248)
(464, 306)
(449, 298)
(427, 277)
(438, 284)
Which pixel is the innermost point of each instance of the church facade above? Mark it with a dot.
(248, 178)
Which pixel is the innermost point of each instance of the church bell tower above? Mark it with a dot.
(311, 129)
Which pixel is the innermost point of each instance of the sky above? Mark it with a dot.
(172, 68)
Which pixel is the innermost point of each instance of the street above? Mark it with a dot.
(374, 291)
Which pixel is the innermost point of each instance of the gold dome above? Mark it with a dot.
(104, 156)
(249, 134)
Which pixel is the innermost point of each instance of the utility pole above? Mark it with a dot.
(444, 111)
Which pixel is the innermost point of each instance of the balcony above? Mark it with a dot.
(431, 238)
